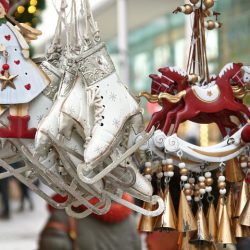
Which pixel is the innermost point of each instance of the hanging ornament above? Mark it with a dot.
(233, 171)
(187, 9)
(167, 221)
(202, 234)
(146, 223)
(211, 219)
(245, 215)
(242, 200)
(186, 220)
(225, 235)
(208, 3)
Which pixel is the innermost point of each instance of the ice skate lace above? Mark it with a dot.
(93, 99)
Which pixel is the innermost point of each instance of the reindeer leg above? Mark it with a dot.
(156, 118)
(170, 118)
(241, 118)
(183, 115)
(239, 107)
(221, 128)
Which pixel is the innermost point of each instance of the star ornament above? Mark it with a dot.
(8, 81)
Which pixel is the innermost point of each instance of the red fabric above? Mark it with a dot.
(5, 4)
(18, 128)
(117, 212)
(162, 241)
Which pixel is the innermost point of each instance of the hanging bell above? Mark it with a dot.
(239, 230)
(219, 209)
(183, 241)
(146, 223)
(225, 235)
(186, 221)
(167, 221)
(230, 204)
(242, 200)
(202, 235)
(212, 225)
(233, 171)
(245, 215)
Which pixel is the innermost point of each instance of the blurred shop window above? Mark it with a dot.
(141, 69)
(115, 59)
(180, 53)
(212, 44)
(162, 56)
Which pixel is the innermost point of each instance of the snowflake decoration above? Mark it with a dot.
(39, 118)
(98, 150)
(113, 97)
(116, 123)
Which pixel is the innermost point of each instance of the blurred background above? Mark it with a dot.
(142, 36)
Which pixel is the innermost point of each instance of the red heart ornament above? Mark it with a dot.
(17, 62)
(7, 37)
(27, 86)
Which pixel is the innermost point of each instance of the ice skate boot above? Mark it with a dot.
(113, 105)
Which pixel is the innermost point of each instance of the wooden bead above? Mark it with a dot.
(184, 171)
(210, 25)
(202, 185)
(147, 171)
(159, 170)
(243, 158)
(170, 167)
(196, 192)
(188, 192)
(209, 181)
(194, 1)
(222, 185)
(208, 3)
(188, 9)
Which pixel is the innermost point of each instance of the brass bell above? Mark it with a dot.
(202, 234)
(230, 204)
(186, 221)
(219, 209)
(146, 223)
(233, 171)
(212, 224)
(242, 200)
(239, 230)
(167, 221)
(245, 215)
(225, 235)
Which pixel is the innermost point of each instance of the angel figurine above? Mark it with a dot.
(21, 80)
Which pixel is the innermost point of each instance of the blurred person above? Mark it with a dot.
(4, 185)
(111, 231)
(25, 191)
(25, 195)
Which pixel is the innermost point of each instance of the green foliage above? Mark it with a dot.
(33, 19)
